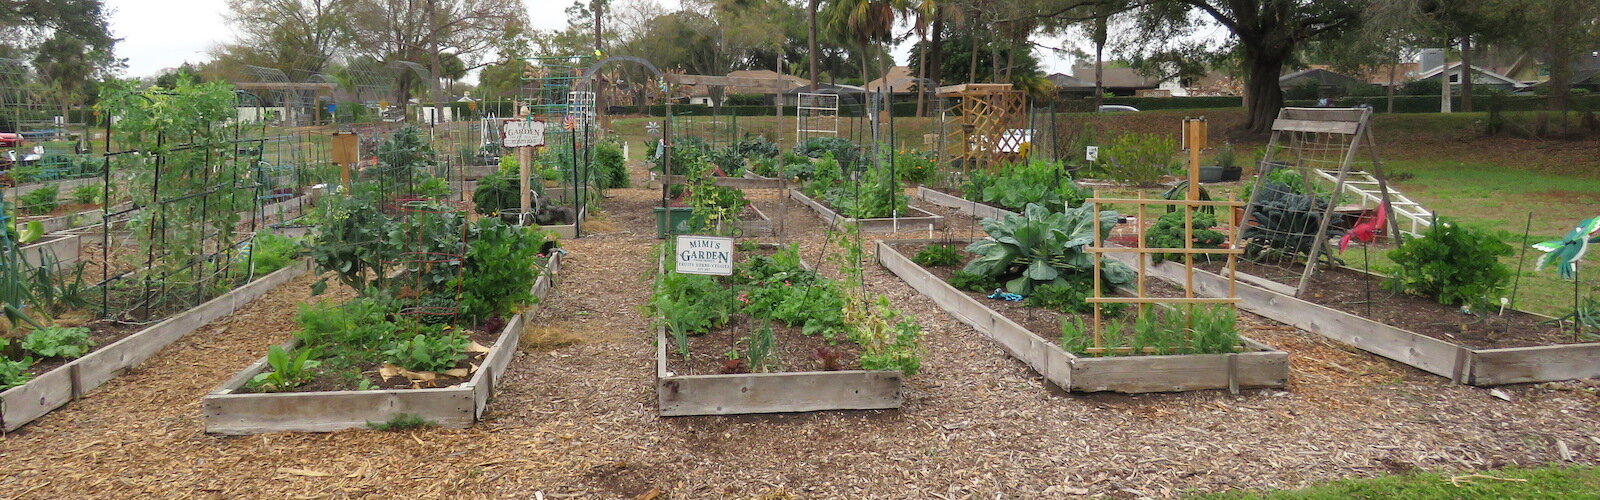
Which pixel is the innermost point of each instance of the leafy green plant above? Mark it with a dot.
(1168, 232)
(40, 201)
(1039, 247)
(352, 242)
(501, 268)
(728, 160)
(1070, 297)
(973, 282)
(873, 196)
(58, 342)
(1285, 223)
(756, 147)
(1225, 156)
(915, 166)
(1019, 184)
(845, 152)
(1212, 329)
(611, 169)
(429, 351)
(289, 370)
(1140, 159)
(14, 372)
(938, 256)
(1452, 263)
(402, 422)
(715, 206)
(86, 194)
(1074, 335)
(269, 252)
(888, 337)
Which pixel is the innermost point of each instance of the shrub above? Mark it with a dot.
(1450, 262)
(610, 168)
(938, 255)
(1140, 159)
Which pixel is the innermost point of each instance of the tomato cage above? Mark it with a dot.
(435, 249)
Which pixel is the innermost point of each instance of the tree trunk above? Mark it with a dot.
(936, 52)
(1444, 84)
(922, 77)
(972, 49)
(1262, 96)
(1392, 69)
(1559, 54)
(994, 59)
(1099, 62)
(1466, 74)
(811, 39)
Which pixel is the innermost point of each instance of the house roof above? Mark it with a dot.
(1066, 81)
(900, 80)
(1321, 76)
(1480, 71)
(1115, 77)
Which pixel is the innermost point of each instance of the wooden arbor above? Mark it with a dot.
(990, 117)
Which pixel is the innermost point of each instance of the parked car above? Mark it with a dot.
(1117, 108)
(10, 140)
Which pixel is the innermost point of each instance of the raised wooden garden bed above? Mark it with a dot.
(917, 220)
(1259, 366)
(746, 393)
(228, 412)
(963, 205)
(1460, 363)
(22, 404)
(749, 181)
(64, 248)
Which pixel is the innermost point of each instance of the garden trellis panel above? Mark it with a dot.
(1290, 216)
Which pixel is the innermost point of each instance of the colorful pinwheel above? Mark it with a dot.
(1366, 232)
(1566, 252)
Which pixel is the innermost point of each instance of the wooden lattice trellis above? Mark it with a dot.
(1194, 140)
(990, 117)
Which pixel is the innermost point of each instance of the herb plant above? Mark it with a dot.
(938, 256)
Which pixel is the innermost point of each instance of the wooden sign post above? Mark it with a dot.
(346, 146)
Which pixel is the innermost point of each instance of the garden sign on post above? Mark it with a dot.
(709, 255)
(524, 134)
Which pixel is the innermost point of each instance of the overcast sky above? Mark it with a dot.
(165, 34)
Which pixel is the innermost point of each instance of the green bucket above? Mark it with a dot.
(679, 221)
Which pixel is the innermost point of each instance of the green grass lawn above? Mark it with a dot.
(1543, 482)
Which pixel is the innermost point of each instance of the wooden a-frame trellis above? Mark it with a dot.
(985, 113)
(1322, 142)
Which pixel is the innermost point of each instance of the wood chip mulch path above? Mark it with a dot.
(576, 417)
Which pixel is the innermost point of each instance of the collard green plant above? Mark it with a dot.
(289, 370)
(1168, 232)
(353, 241)
(58, 342)
(1038, 247)
(1285, 222)
(755, 147)
(727, 160)
(1452, 263)
(845, 152)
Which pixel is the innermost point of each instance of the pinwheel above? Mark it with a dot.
(1566, 252)
(1366, 232)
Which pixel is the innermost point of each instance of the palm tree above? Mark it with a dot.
(863, 21)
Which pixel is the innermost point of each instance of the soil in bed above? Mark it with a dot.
(339, 380)
(102, 333)
(1346, 290)
(1042, 322)
(793, 351)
